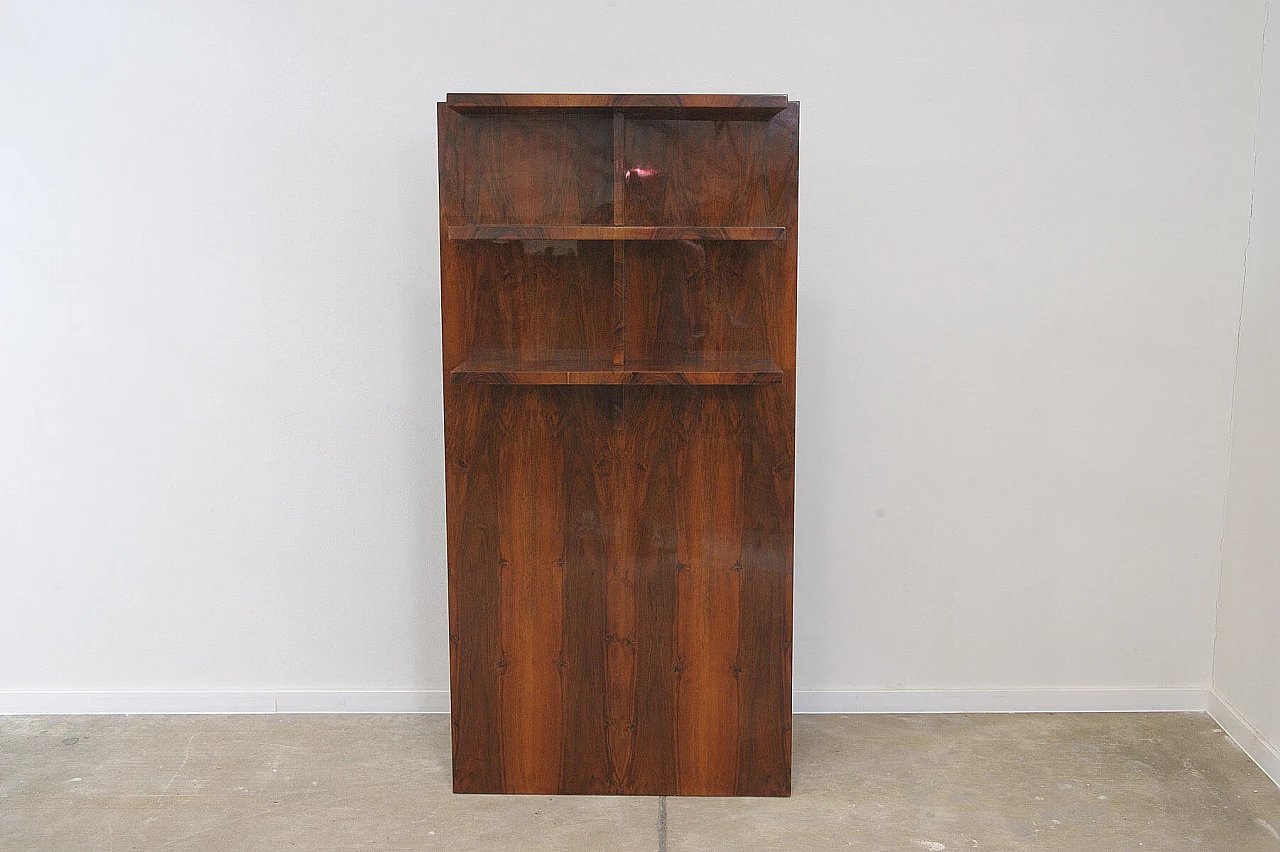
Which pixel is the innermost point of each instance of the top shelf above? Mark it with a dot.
(714, 107)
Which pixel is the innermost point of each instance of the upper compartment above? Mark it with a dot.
(528, 168)
(725, 173)
(715, 107)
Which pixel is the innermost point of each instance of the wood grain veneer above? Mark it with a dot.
(619, 399)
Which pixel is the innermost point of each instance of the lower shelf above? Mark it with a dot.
(574, 371)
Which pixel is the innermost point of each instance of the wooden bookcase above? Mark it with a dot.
(618, 290)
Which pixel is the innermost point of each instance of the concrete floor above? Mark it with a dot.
(1108, 783)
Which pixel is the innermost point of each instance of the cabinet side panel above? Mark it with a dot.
(765, 759)
(472, 437)
(764, 645)
(769, 495)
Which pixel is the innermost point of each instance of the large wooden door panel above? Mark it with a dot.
(622, 571)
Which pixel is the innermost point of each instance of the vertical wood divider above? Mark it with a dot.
(619, 589)
(619, 247)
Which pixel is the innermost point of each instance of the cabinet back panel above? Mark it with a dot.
(694, 298)
(528, 169)
(535, 300)
(710, 172)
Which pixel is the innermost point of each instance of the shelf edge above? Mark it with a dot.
(754, 107)
(469, 373)
(513, 232)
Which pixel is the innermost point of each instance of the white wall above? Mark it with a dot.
(1247, 659)
(1021, 243)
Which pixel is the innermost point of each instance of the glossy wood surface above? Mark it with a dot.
(711, 107)
(619, 446)
(502, 233)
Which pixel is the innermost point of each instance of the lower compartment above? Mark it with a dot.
(620, 589)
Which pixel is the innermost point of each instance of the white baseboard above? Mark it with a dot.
(1191, 699)
(1000, 701)
(437, 701)
(258, 701)
(1254, 744)
(364, 701)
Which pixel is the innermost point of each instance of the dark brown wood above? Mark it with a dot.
(619, 166)
(619, 441)
(709, 107)
(619, 255)
(588, 371)
(508, 233)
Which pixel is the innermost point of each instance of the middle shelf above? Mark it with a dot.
(758, 233)
(712, 370)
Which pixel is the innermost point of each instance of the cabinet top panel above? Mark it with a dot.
(721, 107)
